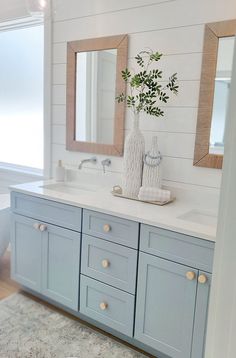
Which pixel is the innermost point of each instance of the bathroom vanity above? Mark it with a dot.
(142, 282)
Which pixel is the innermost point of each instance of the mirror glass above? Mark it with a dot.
(221, 94)
(95, 96)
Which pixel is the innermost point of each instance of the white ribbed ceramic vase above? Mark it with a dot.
(151, 168)
(133, 160)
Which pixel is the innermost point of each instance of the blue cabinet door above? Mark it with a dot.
(60, 265)
(200, 323)
(26, 252)
(165, 306)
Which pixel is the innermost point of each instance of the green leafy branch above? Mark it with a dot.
(147, 90)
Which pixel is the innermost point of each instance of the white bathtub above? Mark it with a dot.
(4, 222)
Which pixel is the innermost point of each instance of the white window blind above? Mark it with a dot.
(21, 97)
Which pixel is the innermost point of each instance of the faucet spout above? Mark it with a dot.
(89, 160)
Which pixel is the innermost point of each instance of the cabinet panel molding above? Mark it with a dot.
(165, 306)
(110, 263)
(111, 228)
(188, 250)
(107, 305)
(26, 252)
(46, 210)
(60, 265)
(201, 315)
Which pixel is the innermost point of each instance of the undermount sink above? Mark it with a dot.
(200, 217)
(70, 188)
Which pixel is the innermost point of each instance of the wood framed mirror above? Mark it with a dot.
(217, 61)
(95, 121)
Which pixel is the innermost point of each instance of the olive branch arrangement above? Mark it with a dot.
(147, 91)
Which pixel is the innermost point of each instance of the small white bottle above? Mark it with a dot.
(60, 172)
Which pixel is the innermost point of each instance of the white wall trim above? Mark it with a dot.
(47, 91)
(21, 169)
(23, 22)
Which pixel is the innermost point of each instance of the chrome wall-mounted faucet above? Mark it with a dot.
(105, 163)
(90, 160)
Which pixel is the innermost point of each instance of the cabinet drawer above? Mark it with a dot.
(177, 247)
(111, 228)
(107, 305)
(46, 210)
(110, 263)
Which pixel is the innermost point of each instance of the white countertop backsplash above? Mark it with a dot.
(166, 217)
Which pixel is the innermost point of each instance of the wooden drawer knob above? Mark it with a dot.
(202, 279)
(190, 275)
(43, 227)
(36, 226)
(105, 263)
(106, 228)
(103, 306)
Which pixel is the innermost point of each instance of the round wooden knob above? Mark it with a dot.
(106, 228)
(105, 263)
(103, 306)
(202, 279)
(36, 226)
(42, 227)
(190, 275)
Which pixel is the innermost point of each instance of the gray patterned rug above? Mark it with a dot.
(29, 329)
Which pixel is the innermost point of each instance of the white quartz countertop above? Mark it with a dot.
(101, 200)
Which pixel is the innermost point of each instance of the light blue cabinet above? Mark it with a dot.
(167, 297)
(46, 259)
(165, 306)
(60, 265)
(26, 246)
(147, 285)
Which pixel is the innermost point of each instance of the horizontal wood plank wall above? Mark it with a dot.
(173, 27)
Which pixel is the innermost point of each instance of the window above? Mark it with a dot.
(21, 98)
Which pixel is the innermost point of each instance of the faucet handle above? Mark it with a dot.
(93, 160)
(105, 163)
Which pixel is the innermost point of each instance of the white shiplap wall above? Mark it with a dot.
(173, 27)
(12, 10)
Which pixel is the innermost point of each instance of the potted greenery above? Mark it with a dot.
(146, 92)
